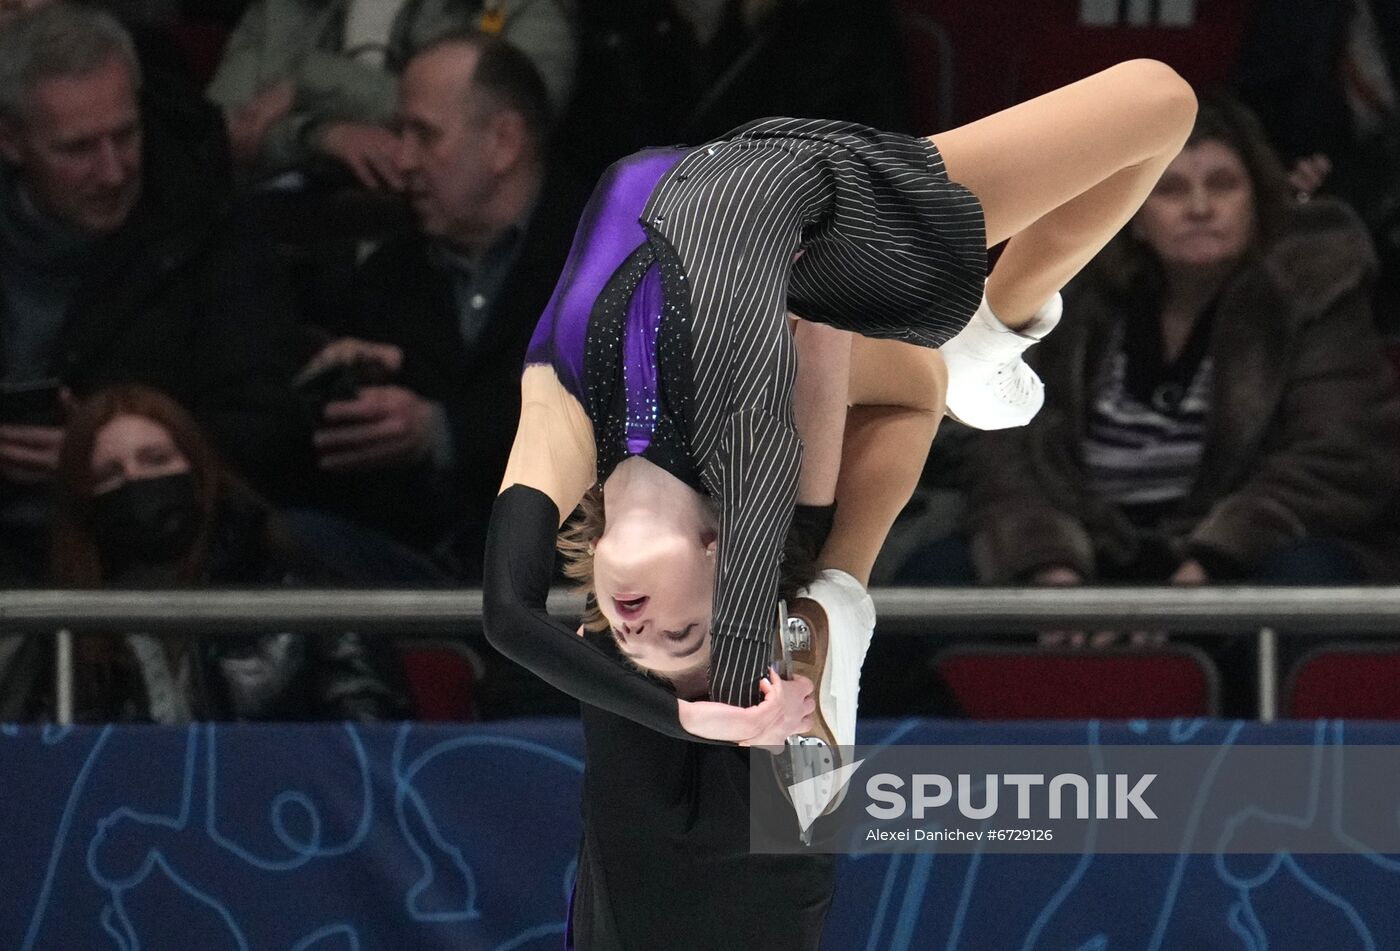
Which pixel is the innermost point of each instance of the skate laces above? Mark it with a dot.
(1014, 382)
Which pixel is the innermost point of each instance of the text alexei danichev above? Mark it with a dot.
(959, 835)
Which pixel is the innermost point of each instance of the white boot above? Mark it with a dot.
(832, 622)
(989, 385)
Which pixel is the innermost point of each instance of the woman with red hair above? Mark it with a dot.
(141, 500)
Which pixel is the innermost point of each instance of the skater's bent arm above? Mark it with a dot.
(518, 573)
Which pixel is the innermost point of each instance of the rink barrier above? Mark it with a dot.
(1267, 611)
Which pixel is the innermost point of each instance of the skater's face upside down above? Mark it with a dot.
(654, 579)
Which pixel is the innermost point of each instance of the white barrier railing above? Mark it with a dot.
(1225, 610)
(1315, 610)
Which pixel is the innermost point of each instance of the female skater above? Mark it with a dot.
(662, 369)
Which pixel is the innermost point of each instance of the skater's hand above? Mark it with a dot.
(786, 708)
(790, 704)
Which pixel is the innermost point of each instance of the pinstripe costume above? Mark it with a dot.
(668, 326)
(889, 250)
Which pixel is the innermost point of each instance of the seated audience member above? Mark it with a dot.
(120, 261)
(175, 114)
(1218, 405)
(302, 79)
(142, 502)
(435, 326)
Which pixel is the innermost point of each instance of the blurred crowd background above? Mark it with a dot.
(268, 271)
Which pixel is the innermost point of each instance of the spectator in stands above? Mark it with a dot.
(302, 79)
(1324, 77)
(142, 502)
(1218, 404)
(690, 70)
(175, 115)
(120, 261)
(440, 319)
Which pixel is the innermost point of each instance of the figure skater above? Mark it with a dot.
(662, 370)
(662, 373)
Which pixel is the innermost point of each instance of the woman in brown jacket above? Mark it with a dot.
(1218, 405)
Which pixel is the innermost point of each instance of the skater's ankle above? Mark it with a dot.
(1013, 315)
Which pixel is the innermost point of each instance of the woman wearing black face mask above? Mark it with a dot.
(141, 501)
(150, 520)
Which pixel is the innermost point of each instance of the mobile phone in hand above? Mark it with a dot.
(333, 382)
(32, 404)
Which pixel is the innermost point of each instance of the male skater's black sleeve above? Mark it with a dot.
(519, 568)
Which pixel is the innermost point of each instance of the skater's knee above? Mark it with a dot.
(1162, 94)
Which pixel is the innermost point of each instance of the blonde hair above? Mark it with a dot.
(575, 546)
